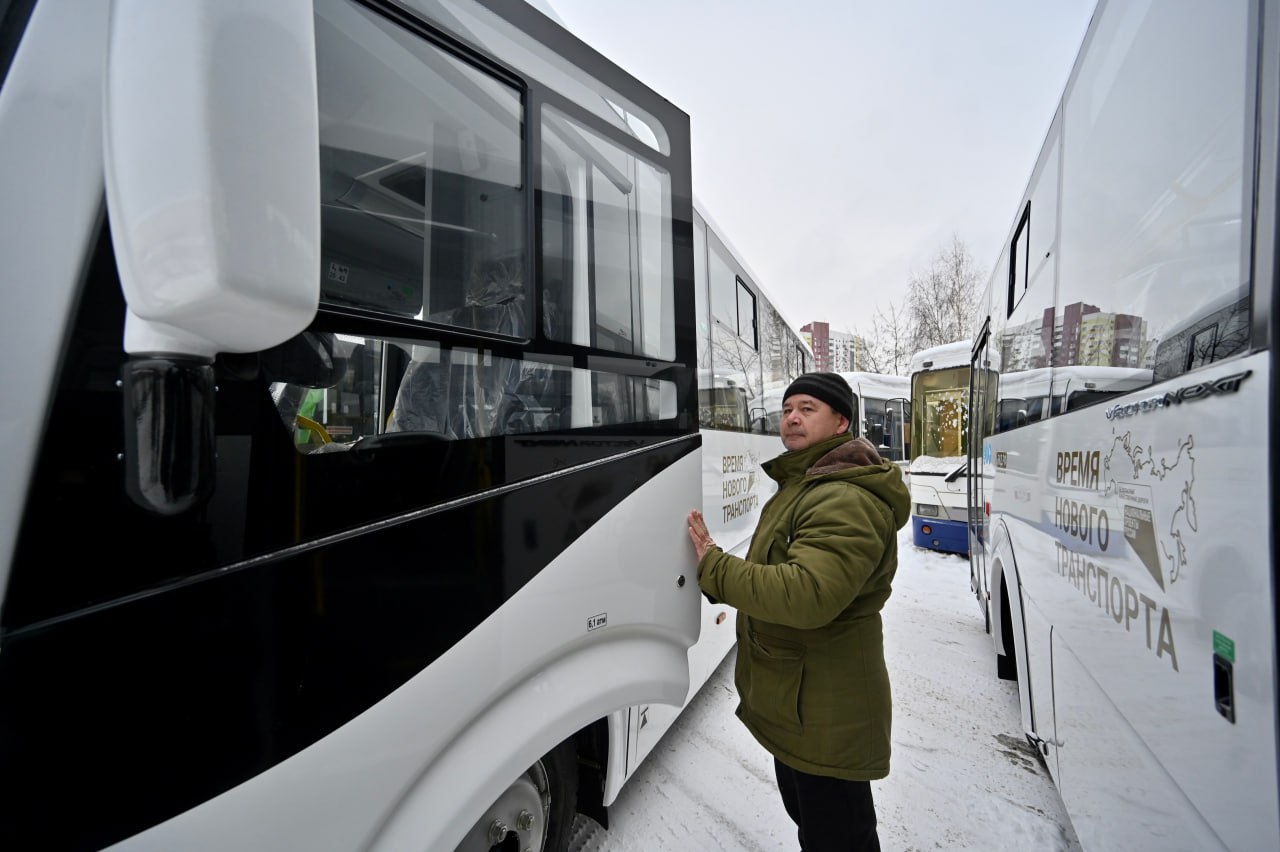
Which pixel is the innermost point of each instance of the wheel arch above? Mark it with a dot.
(1008, 629)
(455, 786)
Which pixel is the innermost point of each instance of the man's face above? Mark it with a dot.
(806, 420)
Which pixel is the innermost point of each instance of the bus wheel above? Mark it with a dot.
(535, 813)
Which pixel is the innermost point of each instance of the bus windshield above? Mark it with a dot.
(942, 398)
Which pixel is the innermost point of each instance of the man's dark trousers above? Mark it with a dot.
(833, 815)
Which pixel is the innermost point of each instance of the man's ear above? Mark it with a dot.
(847, 424)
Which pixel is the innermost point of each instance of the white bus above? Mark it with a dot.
(1123, 511)
(939, 468)
(353, 424)
(883, 408)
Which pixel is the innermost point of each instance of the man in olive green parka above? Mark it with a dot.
(811, 677)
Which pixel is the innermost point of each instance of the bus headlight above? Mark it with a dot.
(926, 510)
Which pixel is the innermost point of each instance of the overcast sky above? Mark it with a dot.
(840, 143)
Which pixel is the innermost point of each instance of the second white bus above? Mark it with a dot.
(1123, 433)
(939, 469)
(883, 413)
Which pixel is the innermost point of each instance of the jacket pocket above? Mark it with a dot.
(771, 684)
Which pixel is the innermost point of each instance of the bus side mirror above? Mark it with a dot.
(212, 165)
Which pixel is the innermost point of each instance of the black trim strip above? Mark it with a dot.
(129, 714)
(335, 538)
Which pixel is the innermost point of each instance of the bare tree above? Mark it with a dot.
(939, 308)
(940, 301)
(888, 349)
(739, 361)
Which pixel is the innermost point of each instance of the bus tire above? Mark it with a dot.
(1006, 663)
(536, 812)
(561, 765)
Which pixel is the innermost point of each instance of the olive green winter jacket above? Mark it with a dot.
(812, 683)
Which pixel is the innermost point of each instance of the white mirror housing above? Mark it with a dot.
(211, 139)
(211, 148)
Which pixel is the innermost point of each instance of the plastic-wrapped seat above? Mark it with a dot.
(537, 402)
(454, 393)
(422, 401)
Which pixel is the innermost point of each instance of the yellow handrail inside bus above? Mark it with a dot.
(308, 423)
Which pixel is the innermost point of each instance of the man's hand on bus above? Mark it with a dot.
(700, 535)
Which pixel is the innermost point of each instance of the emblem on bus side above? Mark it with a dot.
(597, 621)
(1227, 384)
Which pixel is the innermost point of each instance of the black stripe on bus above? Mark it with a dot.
(126, 715)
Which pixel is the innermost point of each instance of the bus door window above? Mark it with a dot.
(615, 210)
(897, 417)
(612, 208)
(871, 426)
(905, 415)
(875, 425)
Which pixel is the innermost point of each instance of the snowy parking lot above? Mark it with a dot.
(962, 775)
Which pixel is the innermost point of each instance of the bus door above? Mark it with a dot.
(897, 433)
(884, 424)
(981, 409)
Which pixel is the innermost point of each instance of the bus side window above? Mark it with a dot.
(301, 372)
(422, 214)
(1012, 413)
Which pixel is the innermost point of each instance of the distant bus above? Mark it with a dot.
(939, 468)
(1123, 438)
(883, 413)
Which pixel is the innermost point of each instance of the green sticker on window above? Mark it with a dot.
(1224, 647)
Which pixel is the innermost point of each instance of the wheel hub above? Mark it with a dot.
(517, 820)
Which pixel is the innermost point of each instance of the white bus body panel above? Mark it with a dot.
(51, 123)
(1161, 568)
(497, 704)
(734, 489)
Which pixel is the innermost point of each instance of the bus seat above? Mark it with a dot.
(535, 401)
(421, 403)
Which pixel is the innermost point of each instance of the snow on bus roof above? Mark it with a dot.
(954, 354)
(878, 385)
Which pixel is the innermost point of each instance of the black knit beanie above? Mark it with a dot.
(831, 388)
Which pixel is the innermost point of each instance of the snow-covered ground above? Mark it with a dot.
(962, 775)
